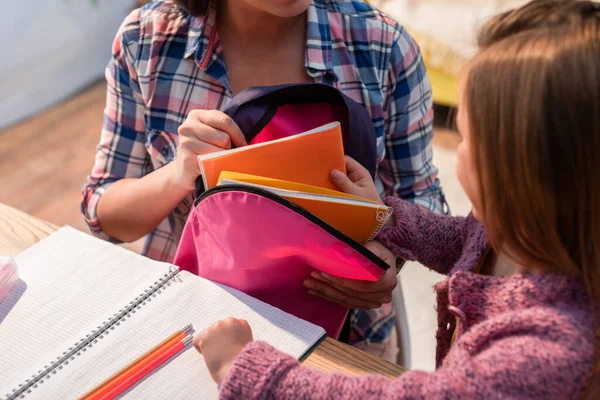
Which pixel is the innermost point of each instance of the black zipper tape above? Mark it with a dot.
(305, 213)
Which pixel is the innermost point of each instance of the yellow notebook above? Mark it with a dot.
(307, 158)
(358, 218)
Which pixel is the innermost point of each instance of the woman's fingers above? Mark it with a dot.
(386, 283)
(204, 131)
(332, 294)
(209, 135)
(196, 146)
(374, 298)
(221, 122)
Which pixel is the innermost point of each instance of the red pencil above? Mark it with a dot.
(157, 359)
(119, 376)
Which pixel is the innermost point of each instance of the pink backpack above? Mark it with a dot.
(264, 245)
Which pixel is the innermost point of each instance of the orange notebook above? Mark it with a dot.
(306, 158)
(358, 218)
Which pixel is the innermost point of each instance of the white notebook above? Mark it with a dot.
(85, 308)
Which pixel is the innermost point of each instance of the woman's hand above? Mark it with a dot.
(204, 131)
(358, 182)
(221, 343)
(355, 294)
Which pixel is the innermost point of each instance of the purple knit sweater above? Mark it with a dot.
(518, 337)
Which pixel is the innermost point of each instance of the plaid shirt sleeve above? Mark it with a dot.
(407, 170)
(121, 152)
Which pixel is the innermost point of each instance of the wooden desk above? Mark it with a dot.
(18, 231)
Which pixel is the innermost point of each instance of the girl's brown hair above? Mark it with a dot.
(194, 7)
(532, 97)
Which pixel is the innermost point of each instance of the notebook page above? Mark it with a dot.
(310, 196)
(292, 187)
(190, 300)
(70, 283)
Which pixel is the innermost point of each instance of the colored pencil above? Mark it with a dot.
(156, 360)
(104, 387)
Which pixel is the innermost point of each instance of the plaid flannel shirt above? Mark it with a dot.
(166, 63)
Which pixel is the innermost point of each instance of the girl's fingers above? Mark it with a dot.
(353, 165)
(198, 340)
(343, 182)
(356, 172)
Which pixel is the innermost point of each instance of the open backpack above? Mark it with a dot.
(263, 244)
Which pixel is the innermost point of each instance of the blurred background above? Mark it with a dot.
(52, 97)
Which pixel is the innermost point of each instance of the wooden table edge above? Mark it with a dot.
(19, 230)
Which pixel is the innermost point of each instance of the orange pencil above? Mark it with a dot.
(156, 360)
(103, 388)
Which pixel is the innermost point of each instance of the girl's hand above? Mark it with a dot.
(204, 131)
(358, 182)
(221, 343)
(355, 294)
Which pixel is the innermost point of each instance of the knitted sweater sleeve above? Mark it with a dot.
(434, 240)
(509, 368)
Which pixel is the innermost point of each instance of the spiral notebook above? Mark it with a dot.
(83, 308)
(359, 218)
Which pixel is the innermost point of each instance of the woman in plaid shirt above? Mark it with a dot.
(176, 63)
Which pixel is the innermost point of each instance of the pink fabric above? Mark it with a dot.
(263, 248)
(293, 119)
(519, 337)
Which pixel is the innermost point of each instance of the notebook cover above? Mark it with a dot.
(306, 158)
